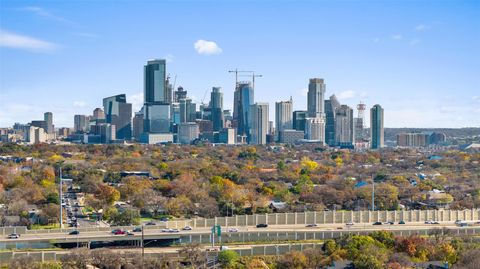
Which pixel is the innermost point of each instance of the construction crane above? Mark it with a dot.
(253, 78)
(203, 99)
(236, 71)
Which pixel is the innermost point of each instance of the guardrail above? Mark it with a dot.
(297, 218)
(52, 256)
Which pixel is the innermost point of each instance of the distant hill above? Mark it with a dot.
(391, 133)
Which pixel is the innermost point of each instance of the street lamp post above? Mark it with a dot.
(143, 247)
(61, 195)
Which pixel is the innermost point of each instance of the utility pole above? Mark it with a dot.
(143, 249)
(373, 193)
(60, 199)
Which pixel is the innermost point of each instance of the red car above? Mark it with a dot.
(119, 232)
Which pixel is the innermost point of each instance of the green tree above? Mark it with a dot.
(228, 258)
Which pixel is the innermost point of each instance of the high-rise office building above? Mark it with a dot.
(315, 129)
(119, 113)
(98, 114)
(344, 132)
(187, 110)
(331, 106)
(187, 132)
(216, 107)
(258, 118)
(299, 117)
(138, 128)
(283, 117)
(80, 123)
(316, 93)
(376, 127)
(48, 118)
(243, 99)
(155, 82)
(40, 124)
(156, 118)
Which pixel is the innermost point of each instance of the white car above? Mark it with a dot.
(187, 228)
(13, 236)
(233, 230)
(349, 223)
(165, 230)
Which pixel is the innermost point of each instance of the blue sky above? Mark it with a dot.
(419, 59)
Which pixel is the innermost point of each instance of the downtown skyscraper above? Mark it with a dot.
(316, 94)
(216, 107)
(157, 98)
(258, 118)
(119, 113)
(243, 99)
(283, 116)
(376, 127)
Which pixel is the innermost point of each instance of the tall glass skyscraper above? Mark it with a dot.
(330, 107)
(155, 81)
(344, 132)
(48, 118)
(216, 107)
(157, 97)
(243, 99)
(376, 127)
(119, 113)
(316, 93)
(258, 115)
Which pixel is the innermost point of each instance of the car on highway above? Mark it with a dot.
(130, 233)
(401, 222)
(233, 230)
(173, 231)
(377, 223)
(431, 222)
(115, 230)
(349, 223)
(311, 225)
(262, 225)
(13, 236)
(389, 223)
(76, 232)
(119, 232)
(150, 223)
(187, 228)
(165, 230)
(164, 219)
(137, 230)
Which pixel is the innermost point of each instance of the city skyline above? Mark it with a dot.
(407, 65)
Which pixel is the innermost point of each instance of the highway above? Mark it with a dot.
(245, 233)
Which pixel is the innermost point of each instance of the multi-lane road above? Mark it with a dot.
(250, 232)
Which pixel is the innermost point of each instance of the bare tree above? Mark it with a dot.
(76, 259)
(193, 254)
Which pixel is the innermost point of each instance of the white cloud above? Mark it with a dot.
(79, 104)
(397, 37)
(17, 41)
(349, 94)
(207, 47)
(137, 101)
(45, 14)
(422, 27)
